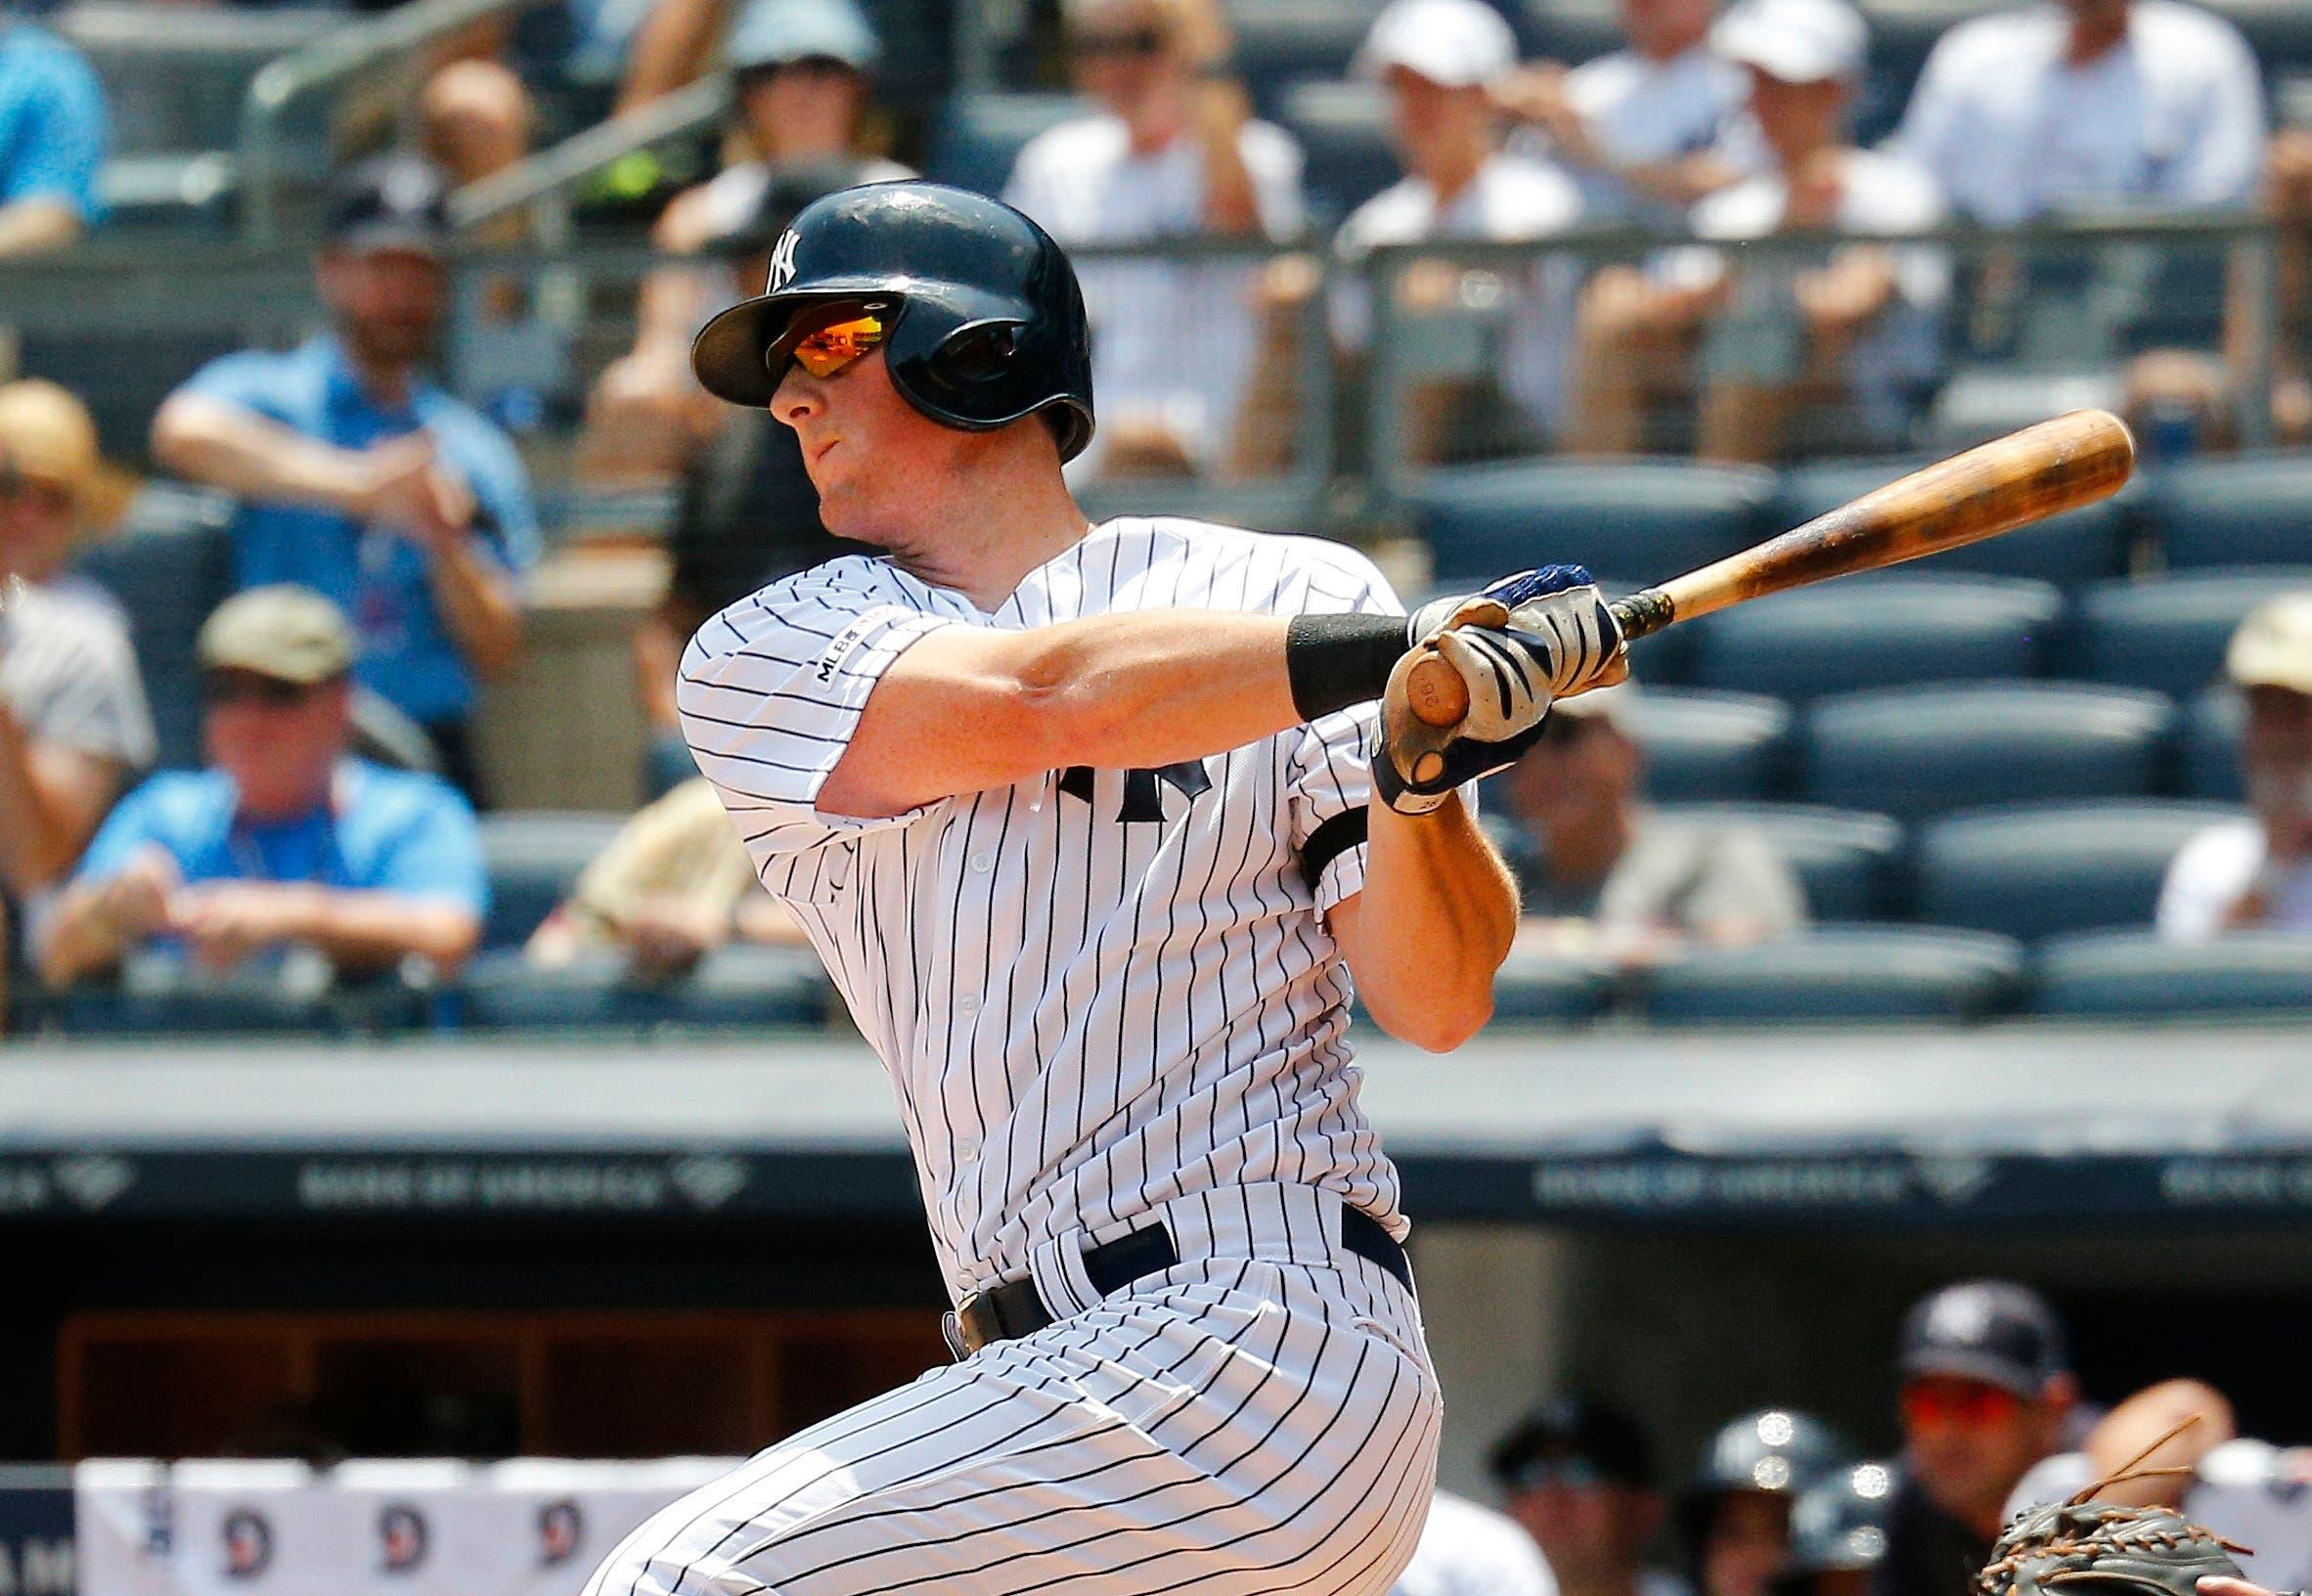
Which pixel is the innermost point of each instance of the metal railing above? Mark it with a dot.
(551, 173)
(353, 49)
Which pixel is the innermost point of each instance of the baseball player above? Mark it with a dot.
(1077, 818)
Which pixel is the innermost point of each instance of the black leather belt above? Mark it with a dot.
(1014, 1308)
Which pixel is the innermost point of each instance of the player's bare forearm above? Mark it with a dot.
(1434, 922)
(968, 708)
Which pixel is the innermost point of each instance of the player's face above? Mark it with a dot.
(388, 303)
(875, 459)
(1748, 1536)
(1969, 1441)
(1588, 1529)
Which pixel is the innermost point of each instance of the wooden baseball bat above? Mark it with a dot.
(2025, 476)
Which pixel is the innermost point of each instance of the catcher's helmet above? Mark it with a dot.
(984, 321)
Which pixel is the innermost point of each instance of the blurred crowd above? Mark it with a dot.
(382, 528)
(1991, 1420)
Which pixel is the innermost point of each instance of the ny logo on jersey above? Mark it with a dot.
(1142, 799)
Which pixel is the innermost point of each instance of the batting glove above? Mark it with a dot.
(1559, 606)
(1507, 674)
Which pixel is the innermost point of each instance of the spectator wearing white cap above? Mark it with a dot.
(2256, 873)
(1173, 153)
(1850, 331)
(801, 94)
(2089, 103)
(1439, 61)
(1647, 129)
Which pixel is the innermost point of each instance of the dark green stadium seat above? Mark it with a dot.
(1918, 751)
(1710, 746)
(2134, 973)
(534, 856)
(1534, 985)
(1644, 519)
(2244, 512)
(2085, 545)
(2211, 725)
(980, 135)
(1846, 861)
(2036, 870)
(2166, 632)
(731, 988)
(1343, 126)
(1875, 632)
(1838, 974)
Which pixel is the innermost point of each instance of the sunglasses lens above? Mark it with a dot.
(829, 350)
(1969, 1407)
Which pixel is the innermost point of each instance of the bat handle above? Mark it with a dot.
(1437, 696)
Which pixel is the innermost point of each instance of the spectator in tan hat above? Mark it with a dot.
(285, 840)
(72, 717)
(1601, 871)
(2256, 874)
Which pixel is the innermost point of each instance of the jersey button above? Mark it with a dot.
(967, 1003)
(966, 1150)
(981, 864)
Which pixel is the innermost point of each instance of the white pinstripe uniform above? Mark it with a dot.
(1106, 1000)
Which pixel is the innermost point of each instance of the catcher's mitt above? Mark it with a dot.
(2084, 1547)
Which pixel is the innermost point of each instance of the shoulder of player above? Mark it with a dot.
(818, 599)
(1216, 543)
(2175, 35)
(1993, 42)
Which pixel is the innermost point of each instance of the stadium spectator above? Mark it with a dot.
(53, 133)
(1986, 1391)
(800, 99)
(473, 121)
(361, 479)
(73, 723)
(1849, 332)
(673, 885)
(1580, 1476)
(2256, 873)
(1468, 1550)
(1598, 870)
(1173, 153)
(2088, 103)
(1439, 60)
(283, 841)
(1735, 1515)
(1644, 129)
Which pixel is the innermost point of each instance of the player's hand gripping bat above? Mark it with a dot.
(2009, 483)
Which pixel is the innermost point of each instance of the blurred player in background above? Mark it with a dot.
(1579, 1475)
(1734, 1517)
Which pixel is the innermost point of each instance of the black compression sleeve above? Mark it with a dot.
(1334, 661)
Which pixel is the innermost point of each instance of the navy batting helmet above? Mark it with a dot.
(984, 321)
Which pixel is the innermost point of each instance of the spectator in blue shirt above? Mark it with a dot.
(363, 481)
(284, 841)
(52, 141)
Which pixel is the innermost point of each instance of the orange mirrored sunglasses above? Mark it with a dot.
(826, 350)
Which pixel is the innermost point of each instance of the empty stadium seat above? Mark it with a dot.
(1710, 746)
(534, 856)
(1534, 985)
(2210, 741)
(1644, 519)
(2100, 975)
(1875, 632)
(731, 986)
(2166, 632)
(2248, 511)
(2035, 870)
(1846, 860)
(980, 135)
(1841, 974)
(1344, 133)
(171, 563)
(1279, 42)
(1918, 751)
(2084, 546)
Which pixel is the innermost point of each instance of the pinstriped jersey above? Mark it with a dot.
(1094, 991)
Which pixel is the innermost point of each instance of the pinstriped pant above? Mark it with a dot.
(1232, 1426)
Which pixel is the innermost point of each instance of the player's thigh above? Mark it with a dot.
(1238, 1442)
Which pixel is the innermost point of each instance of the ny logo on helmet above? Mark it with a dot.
(783, 262)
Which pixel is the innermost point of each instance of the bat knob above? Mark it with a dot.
(1436, 693)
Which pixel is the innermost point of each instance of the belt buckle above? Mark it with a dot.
(962, 1339)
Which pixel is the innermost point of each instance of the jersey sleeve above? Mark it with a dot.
(1329, 776)
(771, 689)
